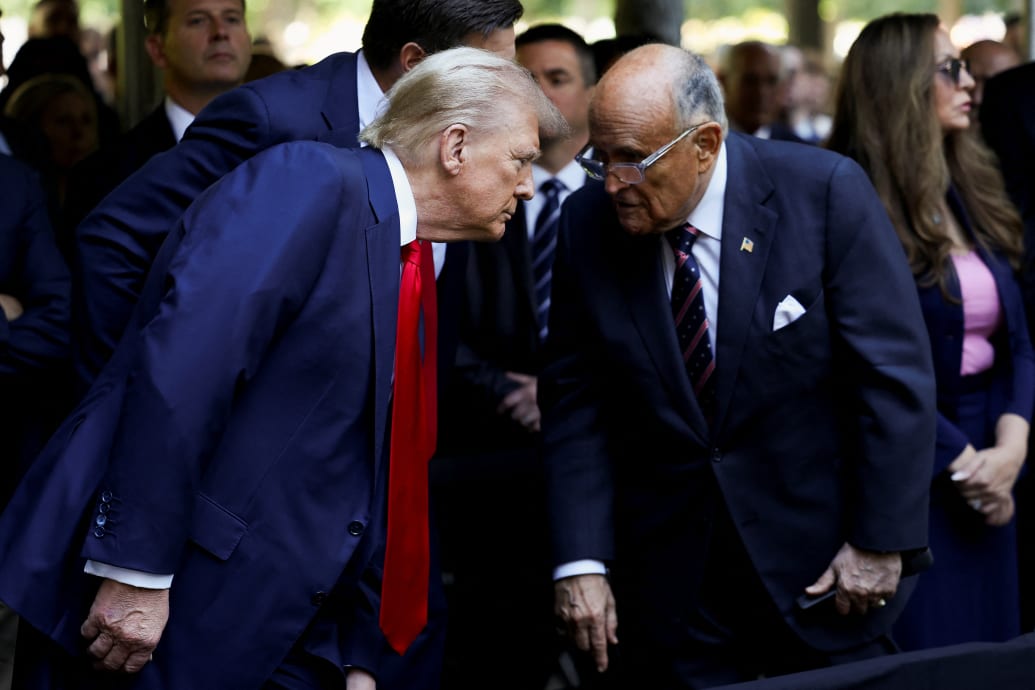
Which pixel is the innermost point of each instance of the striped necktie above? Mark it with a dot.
(544, 242)
(691, 319)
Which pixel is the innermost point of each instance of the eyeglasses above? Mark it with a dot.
(629, 173)
(952, 68)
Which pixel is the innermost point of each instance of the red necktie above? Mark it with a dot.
(404, 590)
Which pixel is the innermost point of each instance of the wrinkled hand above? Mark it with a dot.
(585, 605)
(863, 579)
(520, 403)
(358, 679)
(11, 307)
(124, 625)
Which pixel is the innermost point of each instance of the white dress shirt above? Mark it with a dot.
(707, 217)
(178, 116)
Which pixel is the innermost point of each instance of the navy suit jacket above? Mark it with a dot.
(95, 177)
(237, 438)
(824, 430)
(118, 241)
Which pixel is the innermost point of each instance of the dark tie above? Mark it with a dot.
(544, 242)
(404, 591)
(691, 319)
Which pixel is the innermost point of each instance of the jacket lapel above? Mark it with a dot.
(383, 256)
(340, 110)
(643, 285)
(745, 217)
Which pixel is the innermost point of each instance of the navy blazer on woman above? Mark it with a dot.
(1013, 376)
(238, 438)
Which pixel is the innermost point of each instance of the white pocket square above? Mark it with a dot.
(788, 311)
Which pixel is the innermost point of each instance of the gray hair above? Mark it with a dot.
(465, 86)
(697, 93)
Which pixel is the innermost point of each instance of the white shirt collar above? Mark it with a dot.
(370, 99)
(179, 117)
(4, 147)
(707, 215)
(403, 197)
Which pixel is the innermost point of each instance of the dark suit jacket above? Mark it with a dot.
(94, 178)
(237, 438)
(27, 144)
(118, 241)
(34, 349)
(824, 430)
(1008, 124)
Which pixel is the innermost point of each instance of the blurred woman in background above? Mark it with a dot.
(902, 112)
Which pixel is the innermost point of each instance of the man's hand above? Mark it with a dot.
(11, 307)
(585, 605)
(124, 625)
(520, 403)
(864, 579)
(358, 679)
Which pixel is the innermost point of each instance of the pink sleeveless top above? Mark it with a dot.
(982, 313)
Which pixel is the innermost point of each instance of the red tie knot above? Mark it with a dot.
(411, 252)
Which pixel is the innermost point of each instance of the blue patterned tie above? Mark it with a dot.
(692, 319)
(544, 242)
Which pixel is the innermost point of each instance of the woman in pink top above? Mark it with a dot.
(903, 113)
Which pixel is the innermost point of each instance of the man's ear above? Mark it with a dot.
(708, 140)
(156, 51)
(409, 55)
(452, 149)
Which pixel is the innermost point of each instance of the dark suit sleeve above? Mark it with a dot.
(885, 357)
(117, 242)
(579, 470)
(245, 266)
(39, 339)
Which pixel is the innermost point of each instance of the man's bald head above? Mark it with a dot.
(985, 60)
(685, 89)
(751, 75)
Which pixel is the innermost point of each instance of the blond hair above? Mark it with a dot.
(465, 86)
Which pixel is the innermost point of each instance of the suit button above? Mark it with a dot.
(355, 528)
(716, 455)
(106, 497)
(99, 532)
(101, 520)
(103, 508)
(319, 598)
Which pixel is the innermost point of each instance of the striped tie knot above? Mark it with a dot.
(544, 242)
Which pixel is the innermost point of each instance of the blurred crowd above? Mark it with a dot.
(943, 133)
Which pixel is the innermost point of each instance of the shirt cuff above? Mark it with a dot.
(584, 567)
(135, 578)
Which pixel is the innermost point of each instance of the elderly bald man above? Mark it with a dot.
(733, 417)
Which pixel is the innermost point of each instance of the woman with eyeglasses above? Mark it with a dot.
(902, 112)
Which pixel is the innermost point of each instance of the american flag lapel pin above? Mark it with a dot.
(747, 245)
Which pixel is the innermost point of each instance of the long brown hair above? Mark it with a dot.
(886, 120)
